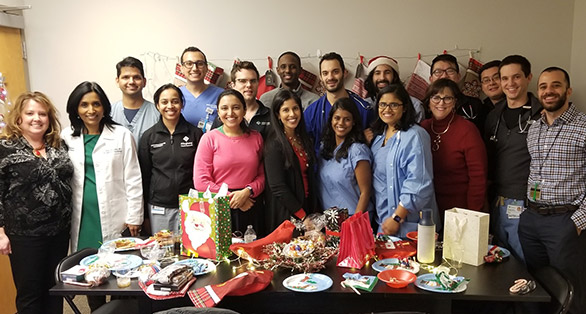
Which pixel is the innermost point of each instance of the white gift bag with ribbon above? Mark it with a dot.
(465, 236)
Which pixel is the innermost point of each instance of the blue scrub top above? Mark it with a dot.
(403, 174)
(337, 181)
(201, 111)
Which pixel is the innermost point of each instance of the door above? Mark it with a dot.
(12, 68)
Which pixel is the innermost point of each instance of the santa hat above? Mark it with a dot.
(376, 61)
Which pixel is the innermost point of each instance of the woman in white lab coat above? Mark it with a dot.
(106, 184)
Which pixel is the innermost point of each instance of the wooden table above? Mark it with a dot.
(488, 282)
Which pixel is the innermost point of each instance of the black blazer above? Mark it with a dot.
(284, 190)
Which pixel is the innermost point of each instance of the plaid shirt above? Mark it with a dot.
(558, 161)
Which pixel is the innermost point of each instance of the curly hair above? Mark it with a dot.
(13, 119)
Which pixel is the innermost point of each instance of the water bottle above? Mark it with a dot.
(249, 235)
(426, 238)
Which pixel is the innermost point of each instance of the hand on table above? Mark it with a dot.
(390, 226)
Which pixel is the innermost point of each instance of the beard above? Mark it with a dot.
(381, 81)
(558, 104)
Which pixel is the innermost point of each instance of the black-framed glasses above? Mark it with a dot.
(189, 64)
(487, 80)
(392, 105)
(448, 100)
(440, 72)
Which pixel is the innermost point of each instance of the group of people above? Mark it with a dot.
(119, 168)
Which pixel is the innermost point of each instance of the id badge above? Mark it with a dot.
(514, 211)
(535, 191)
(156, 210)
(200, 124)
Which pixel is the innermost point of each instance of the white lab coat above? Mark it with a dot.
(118, 181)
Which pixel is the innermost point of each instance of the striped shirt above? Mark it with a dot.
(558, 162)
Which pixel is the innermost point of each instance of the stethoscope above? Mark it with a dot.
(471, 115)
(522, 129)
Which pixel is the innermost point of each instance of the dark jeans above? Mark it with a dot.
(553, 240)
(33, 261)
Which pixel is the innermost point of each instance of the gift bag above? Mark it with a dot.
(206, 226)
(356, 241)
(465, 236)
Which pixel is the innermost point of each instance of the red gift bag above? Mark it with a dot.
(356, 241)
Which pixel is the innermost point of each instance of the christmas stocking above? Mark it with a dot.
(419, 80)
(471, 84)
(243, 284)
(359, 79)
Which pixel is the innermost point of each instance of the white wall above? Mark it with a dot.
(578, 62)
(70, 41)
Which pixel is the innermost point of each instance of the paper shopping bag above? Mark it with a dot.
(206, 227)
(356, 241)
(465, 236)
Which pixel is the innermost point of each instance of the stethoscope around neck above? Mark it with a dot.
(522, 129)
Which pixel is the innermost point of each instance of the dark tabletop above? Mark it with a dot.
(488, 283)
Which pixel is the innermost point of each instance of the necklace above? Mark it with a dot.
(298, 149)
(438, 135)
(37, 151)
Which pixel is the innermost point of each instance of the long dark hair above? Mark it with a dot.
(355, 136)
(277, 132)
(235, 93)
(73, 104)
(407, 119)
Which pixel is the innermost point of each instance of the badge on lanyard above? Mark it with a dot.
(535, 190)
(514, 211)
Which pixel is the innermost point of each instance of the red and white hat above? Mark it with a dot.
(376, 61)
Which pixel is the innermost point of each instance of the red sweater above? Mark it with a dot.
(459, 165)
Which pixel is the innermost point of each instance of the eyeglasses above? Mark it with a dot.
(448, 71)
(245, 81)
(495, 78)
(392, 105)
(448, 100)
(189, 64)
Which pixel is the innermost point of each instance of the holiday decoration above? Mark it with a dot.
(302, 254)
(359, 79)
(419, 80)
(334, 218)
(471, 84)
(4, 102)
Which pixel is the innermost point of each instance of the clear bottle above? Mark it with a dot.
(426, 238)
(249, 235)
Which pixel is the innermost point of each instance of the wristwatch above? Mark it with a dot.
(397, 218)
(250, 189)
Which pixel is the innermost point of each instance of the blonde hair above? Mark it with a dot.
(12, 129)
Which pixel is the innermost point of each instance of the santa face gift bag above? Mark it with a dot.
(205, 222)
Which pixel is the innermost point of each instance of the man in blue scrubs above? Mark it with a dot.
(332, 73)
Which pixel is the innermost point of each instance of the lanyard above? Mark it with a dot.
(550, 147)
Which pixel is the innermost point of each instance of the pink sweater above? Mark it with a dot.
(236, 161)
